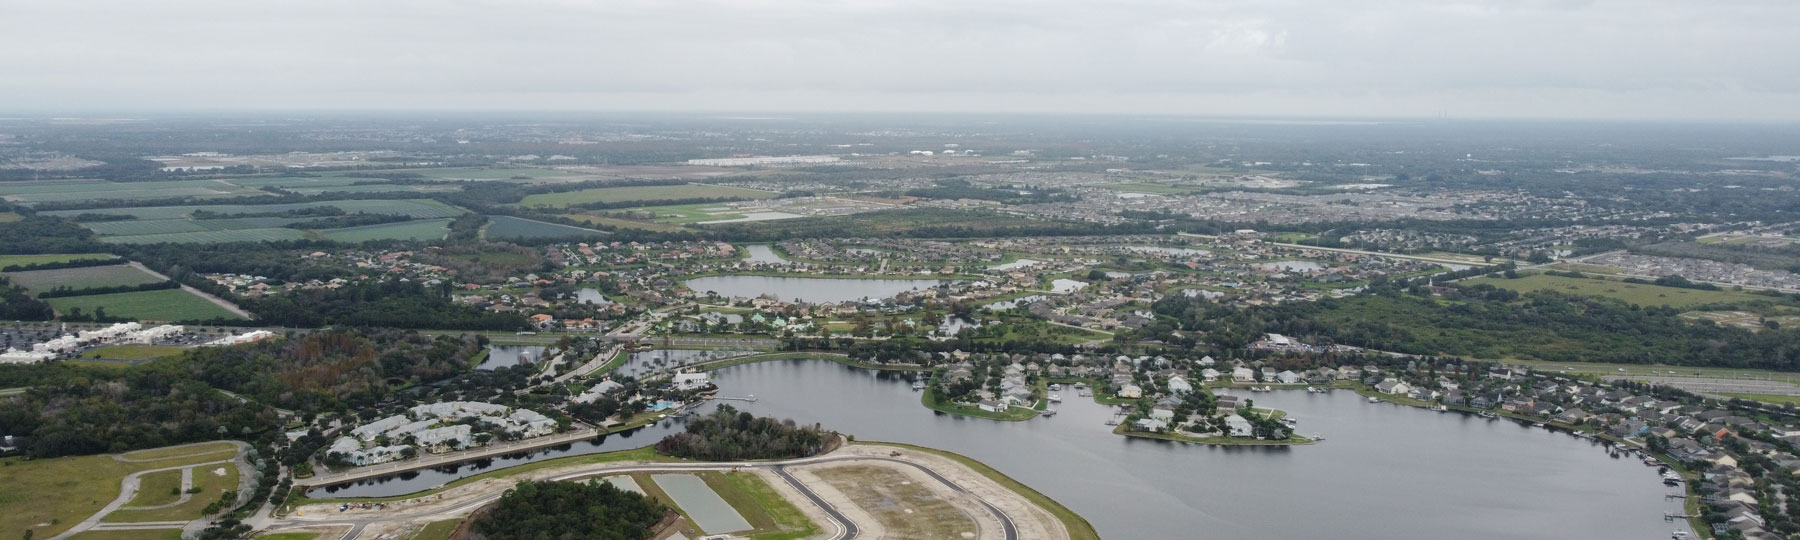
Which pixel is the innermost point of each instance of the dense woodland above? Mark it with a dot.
(333, 369)
(728, 434)
(17, 304)
(71, 410)
(591, 510)
(1486, 322)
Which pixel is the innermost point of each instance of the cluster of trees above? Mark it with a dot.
(1488, 322)
(59, 265)
(17, 304)
(594, 509)
(385, 303)
(61, 291)
(350, 220)
(72, 410)
(333, 368)
(728, 434)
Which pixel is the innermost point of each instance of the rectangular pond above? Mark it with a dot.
(709, 511)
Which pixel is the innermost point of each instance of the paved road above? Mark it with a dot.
(846, 528)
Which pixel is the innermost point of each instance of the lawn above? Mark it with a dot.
(132, 352)
(691, 213)
(1768, 398)
(1642, 294)
(21, 260)
(9, 217)
(50, 495)
(160, 305)
(81, 278)
(437, 530)
(157, 488)
(210, 486)
(642, 193)
(765, 509)
(137, 534)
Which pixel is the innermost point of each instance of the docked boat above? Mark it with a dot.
(1537, 424)
(1488, 415)
(1055, 386)
(1312, 390)
(1373, 399)
(1049, 412)
(1055, 398)
(1442, 408)
(1290, 421)
(918, 385)
(1080, 386)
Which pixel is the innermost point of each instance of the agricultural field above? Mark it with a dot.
(691, 213)
(172, 226)
(210, 237)
(375, 188)
(424, 229)
(81, 278)
(503, 227)
(288, 182)
(642, 193)
(413, 208)
(81, 190)
(1642, 294)
(21, 260)
(160, 305)
(485, 173)
(9, 217)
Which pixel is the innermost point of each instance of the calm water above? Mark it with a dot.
(1021, 263)
(1168, 250)
(1066, 285)
(1384, 472)
(510, 355)
(591, 296)
(1292, 266)
(808, 289)
(762, 253)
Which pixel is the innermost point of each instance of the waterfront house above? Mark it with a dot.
(1287, 377)
(990, 405)
(1209, 375)
(1242, 375)
(1237, 426)
(1151, 424)
(1131, 391)
(1392, 386)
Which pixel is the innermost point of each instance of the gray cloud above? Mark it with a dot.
(1604, 58)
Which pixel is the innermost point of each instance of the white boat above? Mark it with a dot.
(1312, 390)
(1539, 424)
(1373, 399)
(1055, 398)
(1054, 386)
(918, 385)
(1442, 408)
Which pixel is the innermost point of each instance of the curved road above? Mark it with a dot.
(847, 530)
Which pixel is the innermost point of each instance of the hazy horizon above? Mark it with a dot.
(1653, 60)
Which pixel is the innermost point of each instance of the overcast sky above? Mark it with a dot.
(1678, 59)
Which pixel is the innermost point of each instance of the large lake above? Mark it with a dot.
(808, 289)
(1385, 471)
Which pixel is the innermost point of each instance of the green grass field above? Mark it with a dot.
(50, 495)
(132, 352)
(157, 488)
(437, 530)
(9, 260)
(9, 217)
(81, 278)
(424, 229)
(188, 450)
(138, 534)
(641, 193)
(690, 213)
(210, 485)
(1642, 294)
(163, 305)
(1768, 398)
(765, 509)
